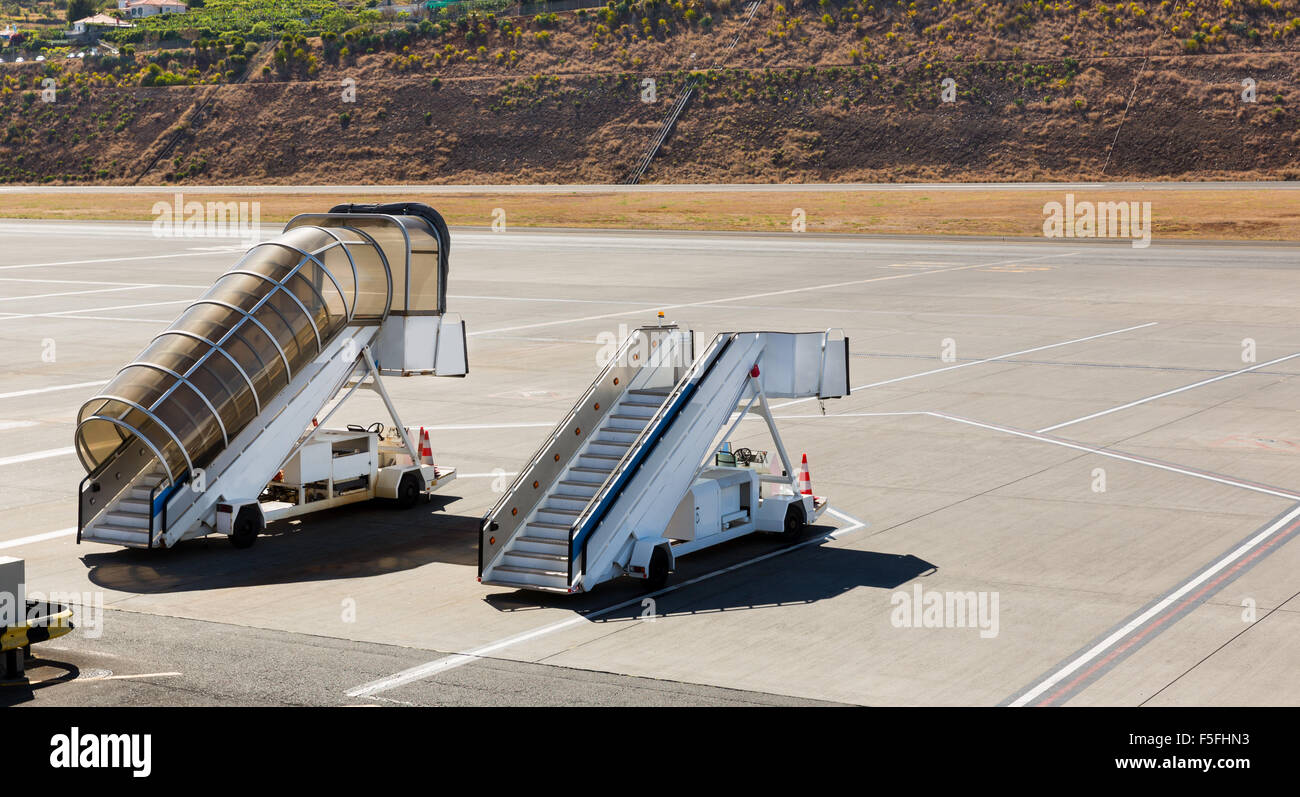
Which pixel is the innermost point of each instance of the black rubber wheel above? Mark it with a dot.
(794, 525)
(247, 526)
(408, 491)
(657, 574)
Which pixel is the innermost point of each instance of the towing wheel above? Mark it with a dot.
(408, 491)
(657, 573)
(246, 528)
(794, 525)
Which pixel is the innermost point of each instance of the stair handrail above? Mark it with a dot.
(170, 492)
(619, 359)
(699, 370)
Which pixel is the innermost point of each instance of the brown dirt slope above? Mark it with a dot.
(812, 91)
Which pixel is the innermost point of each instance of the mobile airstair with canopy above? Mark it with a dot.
(218, 424)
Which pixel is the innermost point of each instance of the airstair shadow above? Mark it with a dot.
(807, 575)
(348, 542)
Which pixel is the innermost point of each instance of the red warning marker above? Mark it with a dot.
(805, 479)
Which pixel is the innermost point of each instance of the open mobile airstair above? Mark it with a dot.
(613, 473)
(217, 404)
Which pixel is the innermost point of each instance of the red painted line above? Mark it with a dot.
(1157, 621)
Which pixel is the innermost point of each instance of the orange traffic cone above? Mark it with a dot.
(805, 479)
(426, 448)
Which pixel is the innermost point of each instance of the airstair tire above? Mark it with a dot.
(657, 575)
(795, 526)
(248, 524)
(408, 491)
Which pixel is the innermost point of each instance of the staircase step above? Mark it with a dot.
(613, 434)
(569, 484)
(503, 582)
(116, 535)
(126, 519)
(557, 558)
(547, 525)
(535, 571)
(594, 472)
(560, 518)
(564, 543)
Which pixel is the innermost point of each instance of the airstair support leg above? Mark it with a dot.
(765, 410)
(378, 387)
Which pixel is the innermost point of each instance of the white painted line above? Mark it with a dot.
(96, 260)
(49, 535)
(850, 415)
(102, 282)
(118, 318)
(70, 293)
(1170, 392)
(455, 427)
(445, 663)
(65, 313)
(35, 455)
(980, 362)
(140, 675)
(485, 475)
(35, 391)
(543, 300)
(1125, 457)
(6, 426)
(1214, 477)
(824, 287)
(1170, 599)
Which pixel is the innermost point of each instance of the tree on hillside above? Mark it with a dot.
(80, 9)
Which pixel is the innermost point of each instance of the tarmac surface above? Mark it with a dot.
(1080, 460)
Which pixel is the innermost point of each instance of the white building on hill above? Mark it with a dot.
(136, 9)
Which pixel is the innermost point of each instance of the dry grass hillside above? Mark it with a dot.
(811, 91)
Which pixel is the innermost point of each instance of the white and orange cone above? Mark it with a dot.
(805, 479)
(426, 448)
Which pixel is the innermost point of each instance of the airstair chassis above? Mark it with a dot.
(358, 290)
(581, 513)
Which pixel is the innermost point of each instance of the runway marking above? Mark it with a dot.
(1170, 392)
(1135, 632)
(95, 260)
(422, 671)
(804, 289)
(981, 362)
(37, 390)
(49, 535)
(543, 299)
(118, 318)
(462, 426)
(140, 675)
(6, 426)
(1279, 492)
(36, 455)
(71, 293)
(102, 282)
(65, 313)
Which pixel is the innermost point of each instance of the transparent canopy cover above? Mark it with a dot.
(209, 374)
